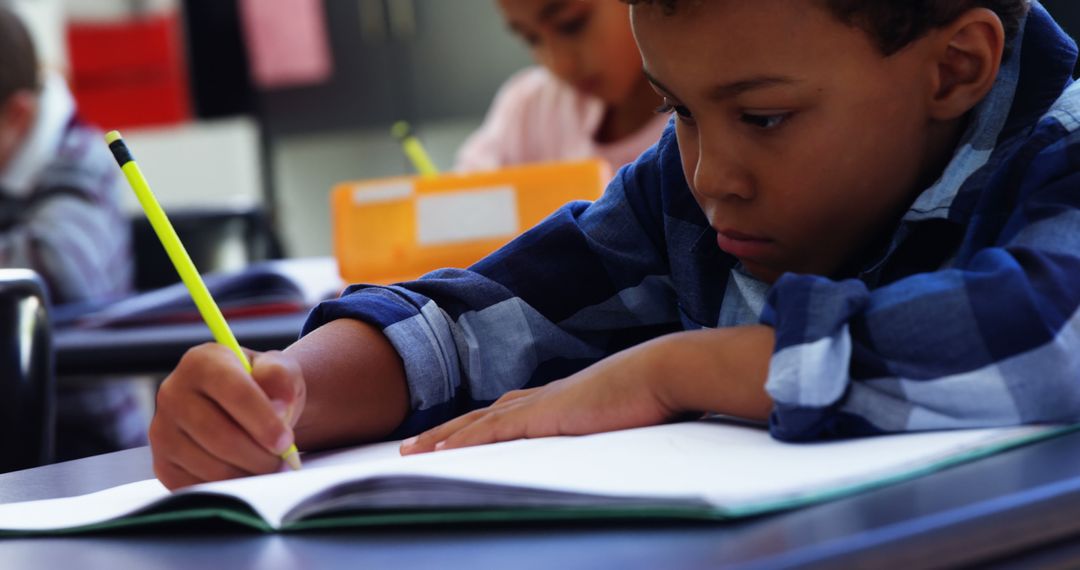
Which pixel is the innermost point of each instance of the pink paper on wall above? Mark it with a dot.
(287, 42)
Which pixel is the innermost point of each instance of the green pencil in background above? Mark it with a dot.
(209, 310)
(413, 149)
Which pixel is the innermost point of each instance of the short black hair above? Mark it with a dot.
(18, 59)
(893, 24)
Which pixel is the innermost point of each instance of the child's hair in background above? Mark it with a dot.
(18, 60)
(893, 24)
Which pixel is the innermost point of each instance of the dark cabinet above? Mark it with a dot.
(418, 60)
(461, 54)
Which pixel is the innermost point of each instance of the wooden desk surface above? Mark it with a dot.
(1017, 507)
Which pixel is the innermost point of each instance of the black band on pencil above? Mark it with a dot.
(120, 152)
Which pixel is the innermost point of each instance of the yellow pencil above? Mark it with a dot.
(180, 259)
(413, 149)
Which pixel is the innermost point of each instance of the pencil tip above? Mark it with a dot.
(292, 457)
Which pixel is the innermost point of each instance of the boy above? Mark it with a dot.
(873, 202)
(60, 216)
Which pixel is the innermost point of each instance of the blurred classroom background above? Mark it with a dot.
(235, 106)
(253, 106)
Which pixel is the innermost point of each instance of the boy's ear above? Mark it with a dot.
(966, 56)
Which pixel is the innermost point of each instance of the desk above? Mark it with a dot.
(1017, 507)
(156, 349)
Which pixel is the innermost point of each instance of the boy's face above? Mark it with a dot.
(800, 141)
(585, 43)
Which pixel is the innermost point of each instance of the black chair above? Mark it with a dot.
(27, 383)
(216, 240)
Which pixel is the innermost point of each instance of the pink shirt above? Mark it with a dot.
(537, 118)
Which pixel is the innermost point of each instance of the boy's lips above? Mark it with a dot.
(743, 246)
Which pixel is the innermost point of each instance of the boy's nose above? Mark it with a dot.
(721, 177)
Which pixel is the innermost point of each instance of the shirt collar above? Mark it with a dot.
(55, 110)
(1038, 68)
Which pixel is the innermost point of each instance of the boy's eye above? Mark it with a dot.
(766, 122)
(681, 110)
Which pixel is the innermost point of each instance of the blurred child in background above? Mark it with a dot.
(587, 98)
(60, 216)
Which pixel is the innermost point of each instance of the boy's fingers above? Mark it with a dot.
(250, 408)
(250, 354)
(514, 395)
(506, 422)
(219, 376)
(502, 419)
(489, 429)
(191, 457)
(280, 379)
(208, 426)
(172, 475)
(426, 441)
(172, 454)
(204, 466)
(163, 443)
(214, 422)
(488, 425)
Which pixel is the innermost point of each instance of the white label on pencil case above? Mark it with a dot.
(467, 215)
(388, 192)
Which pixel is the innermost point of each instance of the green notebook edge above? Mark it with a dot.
(146, 521)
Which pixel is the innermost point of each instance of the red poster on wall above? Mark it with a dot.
(130, 72)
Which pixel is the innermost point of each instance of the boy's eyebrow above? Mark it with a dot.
(728, 90)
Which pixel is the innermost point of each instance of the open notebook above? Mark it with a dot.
(264, 288)
(709, 469)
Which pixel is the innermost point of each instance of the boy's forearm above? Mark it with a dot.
(356, 389)
(717, 370)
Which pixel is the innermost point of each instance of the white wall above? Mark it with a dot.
(108, 10)
(203, 164)
(307, 167)
(45, 21)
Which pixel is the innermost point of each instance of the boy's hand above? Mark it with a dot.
(615, 393)
(722, 370)
(215, 421)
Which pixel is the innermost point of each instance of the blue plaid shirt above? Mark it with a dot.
(969, 317)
